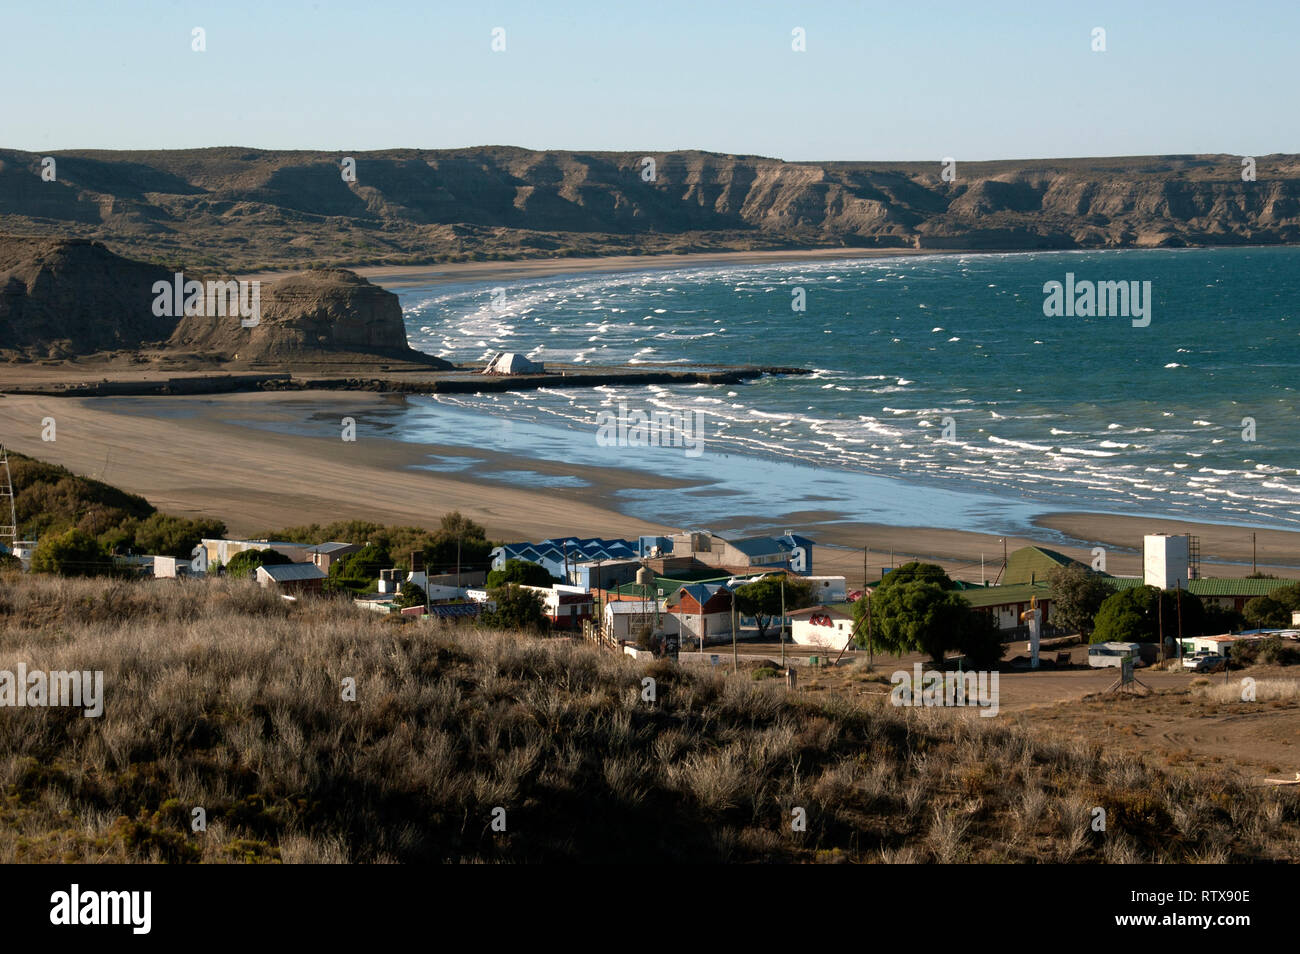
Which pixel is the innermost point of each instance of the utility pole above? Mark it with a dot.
(8, 530)
(735, 657)
(1160, 617)
(1179, 597)
(426, 577)
(783, 622)
(867, 597)
(1253, 569)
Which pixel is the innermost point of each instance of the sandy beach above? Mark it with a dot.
(258, 480)
(401, 276)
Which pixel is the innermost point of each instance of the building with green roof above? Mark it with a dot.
(1033, 564)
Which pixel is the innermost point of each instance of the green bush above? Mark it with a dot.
(1276, 651)
(1135, 616)
(520, 572)
(410, 594)
(359, 572)
(73, 553)
(243, 565)
(517, 609)
(915, 609)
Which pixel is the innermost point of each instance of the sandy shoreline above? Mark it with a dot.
(259, 480)
(402, 276)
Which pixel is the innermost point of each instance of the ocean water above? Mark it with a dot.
(1192, 416)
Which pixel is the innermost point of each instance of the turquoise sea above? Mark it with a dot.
(1192, 416)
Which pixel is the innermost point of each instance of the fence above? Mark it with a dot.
(596, 634)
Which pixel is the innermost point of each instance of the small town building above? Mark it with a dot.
(703, 612)
(559, 554)
(292, 578)
(221, 550)
(624, 619)
(565, 606)
(828, 589)
(827, 625)
(789, 551)
(324, 554)
(1007, 604)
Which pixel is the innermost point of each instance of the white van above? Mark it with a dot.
(1104, 655)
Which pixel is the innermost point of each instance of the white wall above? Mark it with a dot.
(806, 633)
(715, 626)
(1164, 561)
(828, 589)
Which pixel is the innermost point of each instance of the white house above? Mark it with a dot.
(703, 612)
(828, 590)
(827, 625)
(221, 550)
(623, 619)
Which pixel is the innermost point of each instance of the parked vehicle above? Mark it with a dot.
(1104, 655)
(1204, 662)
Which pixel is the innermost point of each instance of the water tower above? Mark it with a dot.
(1165, 560)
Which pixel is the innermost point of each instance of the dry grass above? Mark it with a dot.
(220, 696)
(1266, 690)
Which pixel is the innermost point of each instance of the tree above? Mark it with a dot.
(410, 594)
(762, 598)
(521, 572)
(1135, 615)
(72, 553)
(914, 610)
(359, 572)
(1265, 612)
(1289, 597)
(455, 524)
(243, 565)
(174, 536)
(518, 609)
(458, 541)
(980, 640)
(1219, 619)
(1128, 616)
(1077, 595)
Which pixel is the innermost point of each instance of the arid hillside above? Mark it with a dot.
(242, 208)
(315, 732)
(63, 298)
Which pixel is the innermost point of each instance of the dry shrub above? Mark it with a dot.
(220, 695)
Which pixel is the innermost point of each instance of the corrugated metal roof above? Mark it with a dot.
(1034, 563)
(985, 596)
(332, 547)
(1211, 586)
(293, 571)
(760, 546)
(1220, 586)
(448, 610)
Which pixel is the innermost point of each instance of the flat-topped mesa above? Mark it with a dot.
(73, 298)
(410, 206)
(65, 297)
(323, 314)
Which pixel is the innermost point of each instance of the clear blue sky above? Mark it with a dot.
(902, 80)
